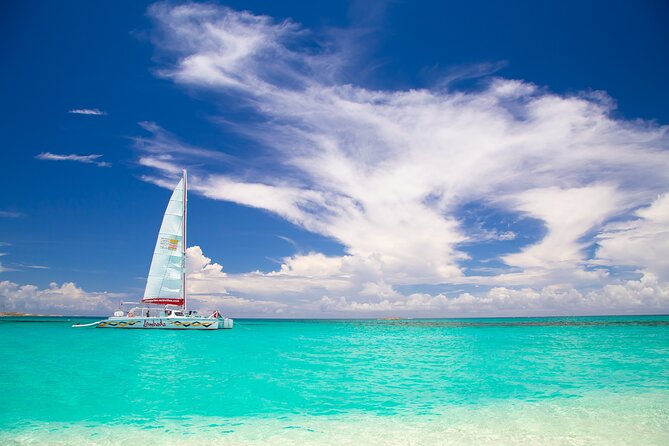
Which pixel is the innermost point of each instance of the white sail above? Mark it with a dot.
(165, 282)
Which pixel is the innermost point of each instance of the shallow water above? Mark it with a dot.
(601, 380)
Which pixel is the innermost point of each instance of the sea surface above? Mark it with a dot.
(526, 381)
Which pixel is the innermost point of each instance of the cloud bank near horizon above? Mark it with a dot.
(65, 299)
(290, 292)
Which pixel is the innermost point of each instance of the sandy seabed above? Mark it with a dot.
(602, 420)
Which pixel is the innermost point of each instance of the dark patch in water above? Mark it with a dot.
(462, 324)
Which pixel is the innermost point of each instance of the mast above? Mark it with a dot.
(183, 245)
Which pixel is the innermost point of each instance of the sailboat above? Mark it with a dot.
(164, 305)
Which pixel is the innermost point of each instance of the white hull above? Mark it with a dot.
(166, 323)
(225, 323)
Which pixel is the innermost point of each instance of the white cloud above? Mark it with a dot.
(506, 235)
(385, 173)
(86, 159)
(642, 242)
(307, 286)
(88, 111)
(18, 265)
(64, 299)
(162, 143)
(646, 295)
(11, 214)
(569, 215)
(2, 254)
(315, 285)
(208, 288)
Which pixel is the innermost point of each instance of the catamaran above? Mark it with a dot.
(164, 305)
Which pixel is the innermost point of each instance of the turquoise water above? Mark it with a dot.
(599, 380)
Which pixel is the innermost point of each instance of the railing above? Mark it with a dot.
(154, 312)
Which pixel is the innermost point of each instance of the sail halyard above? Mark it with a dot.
(166, 282)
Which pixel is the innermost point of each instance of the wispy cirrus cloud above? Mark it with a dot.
(86, 159)
(163, 143)
(88, 111)
(445, 78)
(385, 173)
(4, 268)
(11, 214)
(2, 254)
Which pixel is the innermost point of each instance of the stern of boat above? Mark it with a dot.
(224, 322)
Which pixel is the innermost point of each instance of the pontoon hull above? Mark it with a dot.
(224, 322)
(164, 323)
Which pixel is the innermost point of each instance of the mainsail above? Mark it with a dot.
(165, 284)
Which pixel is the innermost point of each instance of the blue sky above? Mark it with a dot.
(348, 159)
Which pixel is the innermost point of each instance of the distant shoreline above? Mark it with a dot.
(17, 314)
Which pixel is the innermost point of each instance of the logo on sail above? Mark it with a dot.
(169, 243)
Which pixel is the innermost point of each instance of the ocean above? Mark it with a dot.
(542, 381)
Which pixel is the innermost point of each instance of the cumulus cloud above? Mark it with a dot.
(385, 173)
(87, 111)
(307, 285)
(313, 285)
(646, 295)
(208, 288)
(56, 299)
(86, 159)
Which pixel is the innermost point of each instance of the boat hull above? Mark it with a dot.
(225, 323)
(161, 323)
